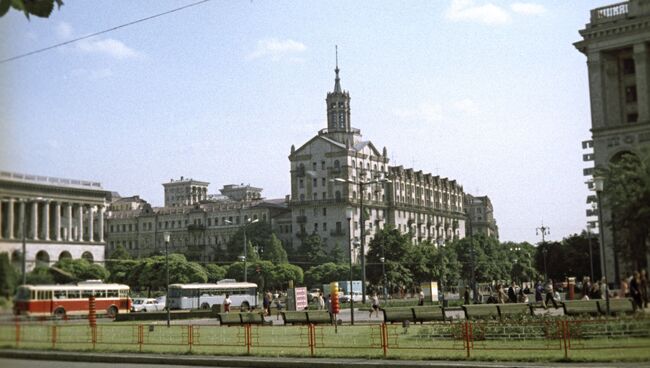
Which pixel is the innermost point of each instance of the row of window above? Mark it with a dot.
(230, 220)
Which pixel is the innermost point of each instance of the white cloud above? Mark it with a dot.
(468, 10)
(466, 106)
(278, 49)
(108, 46)
(64, 30)
(427, 112)
(528, 8)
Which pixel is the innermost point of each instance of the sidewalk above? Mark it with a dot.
(281, 362)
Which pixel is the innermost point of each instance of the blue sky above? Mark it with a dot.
(490, 93)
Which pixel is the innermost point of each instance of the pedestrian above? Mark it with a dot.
(321, 301)
(501, 295)
(512, 295)
(625, 287)
(328, 303)
(466, 295)
(539, 289)
(226, 303)
(548, 289)
(522, 297)
(375, 305)
(265, 303)
(635, 290)
(421, 297)
(269, 296)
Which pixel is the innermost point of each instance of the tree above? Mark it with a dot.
(75, 270)
(8, 276)
(39, 8)
(336, 254)
(312, 250)
(568, 258)
(627, 195)
(151, 273)
(258, 234)
(400, 262)
(215, 272)
(40, 275)
(275, 252)
(325, 273)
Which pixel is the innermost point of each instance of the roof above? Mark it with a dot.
(223, 285)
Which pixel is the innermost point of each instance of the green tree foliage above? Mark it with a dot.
(400, 261)
(215, 272)
(312, 251)
(485, 256)
(120, 265)
(74, 270)
(8, 276)
(337, 255)
(151, 273)
(267, 275)
(523, 267)
(258, 234)
(627, 195)
(325, 273)
(40, 275)
(39, 8)
(274, 251)
(568, 258)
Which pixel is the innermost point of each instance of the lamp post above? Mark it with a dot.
(361, 187)
(166, 237)
(348, 214)
(23, 230)
(383, 273)
(245, 256)
(599, 183)
(543, 230)
(440, 243)
(591, 255)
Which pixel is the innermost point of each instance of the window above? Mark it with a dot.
(630, 94)
(324, 211)
(313, 166)
(302, 197)
(301, 183)
(315, 226)
(315, 211)
(209, 222)
(315, 182)
(632, 118)
(324, 195)
(323, 182)
(338, 227)
(628, 66)
(322, 165)
(324, 226)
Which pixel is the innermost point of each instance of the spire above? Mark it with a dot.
(337, 81)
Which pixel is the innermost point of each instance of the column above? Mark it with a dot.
(91, 212)
(21, 217)
(596, 89)
(80, 224)
(100, 223)
(10, 219)
(34, 222)
(68, 215)
(57, 221)
(45, 226)
(642, 72)
(1, 224)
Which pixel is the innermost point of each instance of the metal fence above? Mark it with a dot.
(505, 340)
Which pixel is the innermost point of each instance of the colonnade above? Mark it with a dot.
(50, 220)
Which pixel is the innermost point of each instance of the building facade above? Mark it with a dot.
(336, 170)
(55, 218)
(616, 43)
(199, 229)
(480, 216)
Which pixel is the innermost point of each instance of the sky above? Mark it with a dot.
(489, 93)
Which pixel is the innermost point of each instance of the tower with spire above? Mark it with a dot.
(338, 111)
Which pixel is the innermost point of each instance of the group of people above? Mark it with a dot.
(635, 286)
(513, 294)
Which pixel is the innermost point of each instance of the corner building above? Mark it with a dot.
(616, 43)
(336, 170)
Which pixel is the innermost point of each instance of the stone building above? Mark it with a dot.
(480, 216)
(199, 224)
(336, 170)
(56, 218)
(616, 44)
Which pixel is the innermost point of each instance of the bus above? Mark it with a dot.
(204, 296)
(68, 300)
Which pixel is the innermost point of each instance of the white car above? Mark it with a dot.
(146, 305)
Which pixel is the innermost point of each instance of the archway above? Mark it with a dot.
(65, 255)
(42, 259)
(87, 256)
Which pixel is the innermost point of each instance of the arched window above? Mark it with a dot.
(354, 164)
(42, 258)
(354, 194)
(65, 255)
(302, 197)
(16, 258)
(87, 256)
(337, 195)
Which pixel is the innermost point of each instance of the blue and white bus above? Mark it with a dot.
(204, 296)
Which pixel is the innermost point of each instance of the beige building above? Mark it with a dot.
(56, 218)
(199, 230)
(480, 216)
(616, 43)
(337, 169)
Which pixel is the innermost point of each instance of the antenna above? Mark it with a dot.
(336, 48)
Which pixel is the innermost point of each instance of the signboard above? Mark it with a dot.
(430, 291)
(301, 298)
(344, 287)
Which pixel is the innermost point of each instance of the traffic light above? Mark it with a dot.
(334, 295)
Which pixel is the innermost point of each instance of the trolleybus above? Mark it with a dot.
(204, 296)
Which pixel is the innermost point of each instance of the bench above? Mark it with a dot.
(320, 316)
(398, 314)
(252, 318)
(228, 319)
(514, 310)
(617, 306)
(428, 313)
(294, 318)
(481, 311)
(580, 307)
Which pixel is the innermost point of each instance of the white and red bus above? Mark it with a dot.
(68, 300)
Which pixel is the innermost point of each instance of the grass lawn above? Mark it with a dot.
(529, 341)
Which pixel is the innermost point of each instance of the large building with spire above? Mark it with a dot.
(337, 170)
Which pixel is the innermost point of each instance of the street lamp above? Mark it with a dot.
(361, 185)
(440, 243)
(383, 273)
(23, 230)
(166, 236)
(599, 183)
(348, 214)
(245, 256)
(543, 230)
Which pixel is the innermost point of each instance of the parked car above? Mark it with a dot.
(345, 298)
(312, 294)
(146, 305)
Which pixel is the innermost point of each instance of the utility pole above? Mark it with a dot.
(543, 230)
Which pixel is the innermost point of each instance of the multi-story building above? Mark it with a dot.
(54, 218)
(616, 42)
(337, 170)
(480, 216)
(200, 225)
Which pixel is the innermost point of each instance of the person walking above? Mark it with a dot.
(635, 290)
(539, 289)
(375, 305)
(226, 303)
(421, 297)
(548, 289)
(321, 301)
(512, 295)
(644, 288)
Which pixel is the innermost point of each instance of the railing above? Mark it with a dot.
(525, 339)
(49, 180)
(609, 12)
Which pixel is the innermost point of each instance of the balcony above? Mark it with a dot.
(196, 227)
(337, 233)
(610, 12)
(301, 219)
